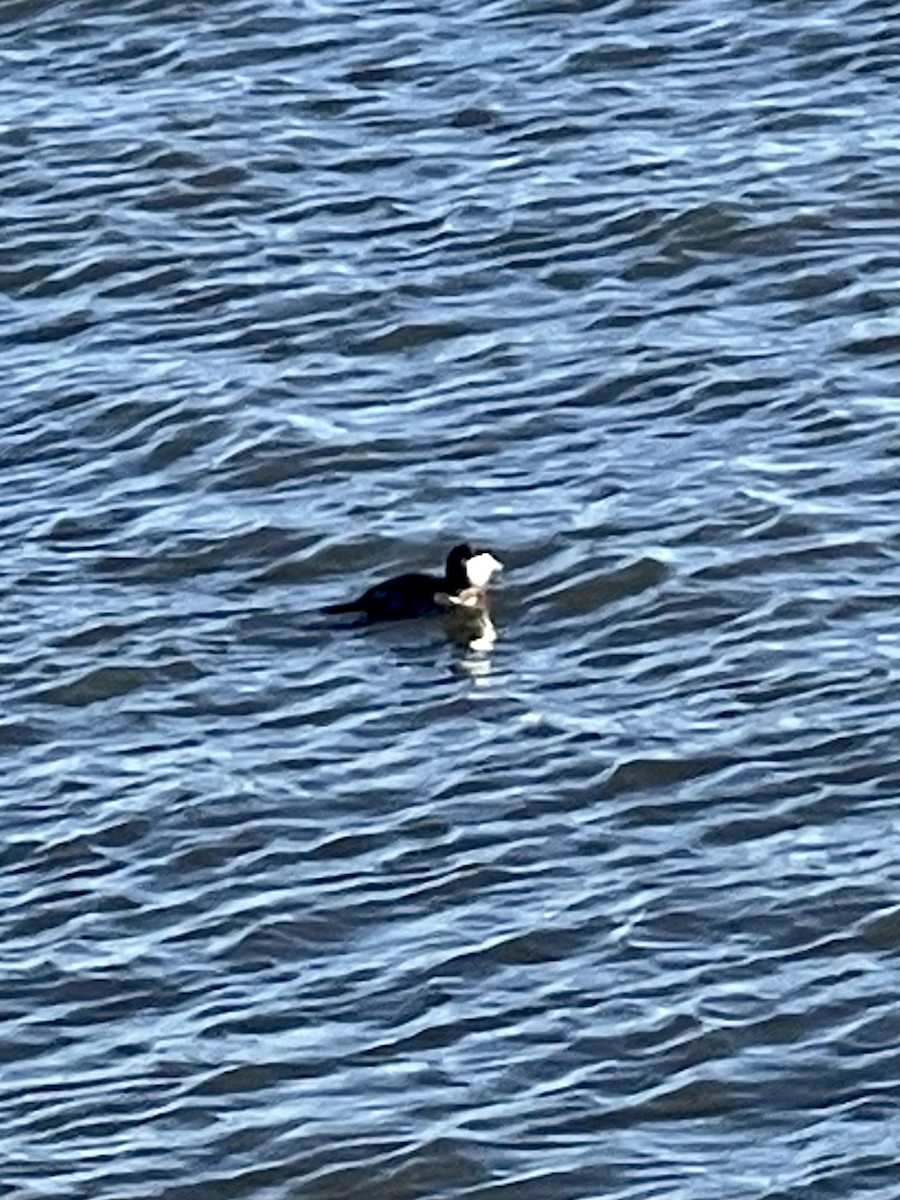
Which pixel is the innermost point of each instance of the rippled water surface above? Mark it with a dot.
(297, 295)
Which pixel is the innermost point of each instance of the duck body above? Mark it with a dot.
(397, 599)
(413, 595)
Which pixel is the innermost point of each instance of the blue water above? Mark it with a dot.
(297, 296)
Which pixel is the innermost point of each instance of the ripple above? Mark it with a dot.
(298, 299)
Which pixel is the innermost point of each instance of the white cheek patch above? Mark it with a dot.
(480, 568)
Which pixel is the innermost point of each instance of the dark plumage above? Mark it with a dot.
(416, 595)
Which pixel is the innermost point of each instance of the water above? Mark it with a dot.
(297, 296)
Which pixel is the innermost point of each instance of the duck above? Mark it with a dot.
(464, 584)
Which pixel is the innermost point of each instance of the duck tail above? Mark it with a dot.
(350, 606)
